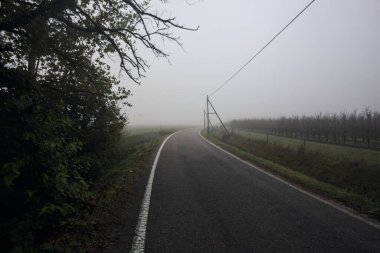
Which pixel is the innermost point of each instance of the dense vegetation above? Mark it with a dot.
(102, 227)
(60, 109)
(357, 129)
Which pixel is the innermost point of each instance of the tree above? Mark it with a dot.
(59, 106)
(36, 29)
(358, 129)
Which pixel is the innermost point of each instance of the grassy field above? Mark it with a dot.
(371, 157)
(330, 171)
(137, 130)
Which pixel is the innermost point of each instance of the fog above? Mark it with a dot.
(327, 61)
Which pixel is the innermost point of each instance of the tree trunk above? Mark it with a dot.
(38, 33)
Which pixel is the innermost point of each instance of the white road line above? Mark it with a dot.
(138, 245)
(343, 209)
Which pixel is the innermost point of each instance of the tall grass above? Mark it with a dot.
(112, 191)
(353, 181)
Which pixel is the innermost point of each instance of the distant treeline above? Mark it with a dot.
(356, 129)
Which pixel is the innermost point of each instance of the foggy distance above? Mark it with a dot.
(326, 61)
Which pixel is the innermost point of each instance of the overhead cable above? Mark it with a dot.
(254, 56)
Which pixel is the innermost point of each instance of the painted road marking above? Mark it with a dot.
(138, 245)
(343, 209)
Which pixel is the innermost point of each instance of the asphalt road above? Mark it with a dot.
(204, 200)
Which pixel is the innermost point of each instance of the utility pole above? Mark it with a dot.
(208, 119)
(217, 115)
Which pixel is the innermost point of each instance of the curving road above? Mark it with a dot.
(204, 200)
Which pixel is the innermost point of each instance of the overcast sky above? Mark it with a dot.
(328, 60)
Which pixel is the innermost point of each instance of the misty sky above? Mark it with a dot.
(328, 60)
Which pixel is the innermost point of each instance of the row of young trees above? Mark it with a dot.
(60, 108)
(356, 129)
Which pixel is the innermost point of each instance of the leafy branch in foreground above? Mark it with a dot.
(97, 27)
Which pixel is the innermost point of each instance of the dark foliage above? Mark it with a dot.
(60, 110)
(42, 187)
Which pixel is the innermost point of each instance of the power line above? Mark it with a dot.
(253, 57)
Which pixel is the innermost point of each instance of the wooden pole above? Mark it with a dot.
(208, 118)
(217, 115)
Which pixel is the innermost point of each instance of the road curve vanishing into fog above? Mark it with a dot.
(204, 200)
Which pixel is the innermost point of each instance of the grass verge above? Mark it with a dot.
(269, 159)
(101, 227)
